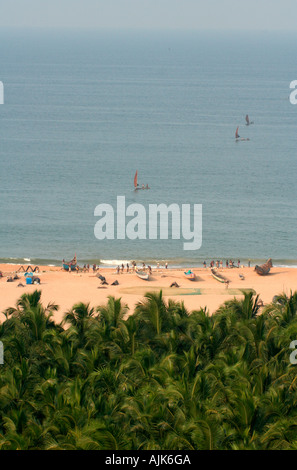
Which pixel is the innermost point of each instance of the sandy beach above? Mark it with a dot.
(66, 289)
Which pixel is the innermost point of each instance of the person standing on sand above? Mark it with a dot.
(221, 264)
(227, 264)
(127, 267)
(166, 265)
(249, 263)
(122, 268)
(238, 263)
(204, 264)
(118, 270)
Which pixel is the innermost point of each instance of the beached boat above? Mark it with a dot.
(71, 266)
(217, 276)
(143, 275)
(190, 275)
(264, 269)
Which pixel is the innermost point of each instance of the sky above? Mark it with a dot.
(263, 15)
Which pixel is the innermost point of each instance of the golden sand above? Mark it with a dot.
(66, 289)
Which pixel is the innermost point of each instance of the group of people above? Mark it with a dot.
(133, 267)
(219, 264)
(86, 268)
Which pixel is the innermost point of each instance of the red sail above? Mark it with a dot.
(236, 133)
(135, 180)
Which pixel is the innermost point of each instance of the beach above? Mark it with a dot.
(67, 288)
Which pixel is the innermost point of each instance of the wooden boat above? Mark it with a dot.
(217, 276)
(190, 275)
(71, 266)
(143, 275)
(264, 269)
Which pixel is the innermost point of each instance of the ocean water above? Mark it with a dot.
(84, 110)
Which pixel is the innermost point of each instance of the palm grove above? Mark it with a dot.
(161, 378)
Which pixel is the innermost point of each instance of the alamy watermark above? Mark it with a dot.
(1, 353)
(293, 95)
(186, 222)
(1, 93)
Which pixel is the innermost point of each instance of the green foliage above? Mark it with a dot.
(161, 378)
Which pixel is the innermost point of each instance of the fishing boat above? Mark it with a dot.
(238, 138)
(190, 275)
(136, 185)
(264, 269)
(217, 276)
(71, 266)
(142, 275)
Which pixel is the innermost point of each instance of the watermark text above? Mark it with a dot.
(133, 222)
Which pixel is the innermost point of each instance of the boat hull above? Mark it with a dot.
(218, 277)
(71, 267)
(190, 276)
(142, 275)
(264, 269)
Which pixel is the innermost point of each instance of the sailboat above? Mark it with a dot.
(136, 185)
(248, 122)
(237, 136)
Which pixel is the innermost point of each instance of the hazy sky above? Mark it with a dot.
(151, 14)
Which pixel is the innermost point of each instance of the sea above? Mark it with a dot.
(83, 110)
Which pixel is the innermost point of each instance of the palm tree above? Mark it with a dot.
(80, 317)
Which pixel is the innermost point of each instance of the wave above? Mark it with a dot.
(177, 262)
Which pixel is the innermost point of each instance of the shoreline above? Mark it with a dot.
(103, 264)
(66, 289)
